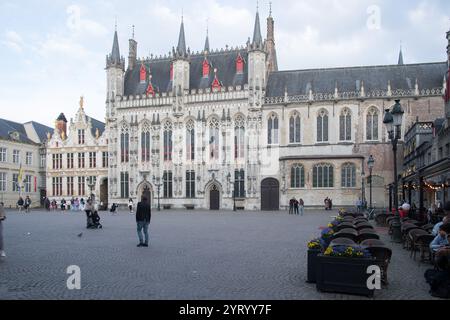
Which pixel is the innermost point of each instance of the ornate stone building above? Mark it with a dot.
(215, 128)
(77, 158)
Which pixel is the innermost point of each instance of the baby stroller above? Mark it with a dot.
(94, 221)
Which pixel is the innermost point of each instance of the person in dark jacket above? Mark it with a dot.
(143, 218)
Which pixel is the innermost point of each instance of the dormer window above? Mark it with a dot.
(216, 85)
(14, 135)
(239, 64)
(206, 68)
(150, 90)
(143, 74)
(81, 136)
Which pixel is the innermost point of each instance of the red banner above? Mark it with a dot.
(35, 184)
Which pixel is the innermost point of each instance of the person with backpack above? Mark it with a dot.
(20, 204)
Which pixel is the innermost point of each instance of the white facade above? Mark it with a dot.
(77, 160)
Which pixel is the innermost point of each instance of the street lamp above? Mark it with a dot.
(234, 191)
(393, 121)
(370, 164)
(158, 186)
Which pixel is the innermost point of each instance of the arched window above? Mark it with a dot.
(323, 176)
(190, 140)
(168, 142)
(345, 125)
(322, 126)
(294, 128)
(272, 129)
(145, 143)
(239, 138)
(214, 139)
(372, 124)
(297, 176)
(125, 144)
(348, 176)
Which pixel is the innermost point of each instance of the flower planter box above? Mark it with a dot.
(343, 275)
(312, 265)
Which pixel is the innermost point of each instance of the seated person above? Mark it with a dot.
(404, 210)
(435, 231)
(113, 208)
(440, 241)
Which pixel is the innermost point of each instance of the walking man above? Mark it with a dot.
(143, 218)
(2, 218)
(296, 204)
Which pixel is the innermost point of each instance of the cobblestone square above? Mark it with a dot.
(193, 255)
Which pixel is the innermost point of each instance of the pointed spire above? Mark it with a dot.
(207, 48)
(257, 37)
(400, 57)
(115, 52)
(181, 48)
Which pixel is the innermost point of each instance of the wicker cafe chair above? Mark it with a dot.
(412, 237)
(366, 236)
(362, 226)
(406, 228)
(345, 225)
(382, 255)
(360, 220)
(342, 242)
(367, 230)
(423, 243)
(373, 243)
(428, 227)
(380, 219)
(346, 233)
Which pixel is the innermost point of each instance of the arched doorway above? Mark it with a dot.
(146, 193)
(270, 195)
(104, 194)
(145, 189)
(214, 198)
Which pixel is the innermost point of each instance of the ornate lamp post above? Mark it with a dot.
(370, 165)
(158, 186)
(234, 191)
(393, 121)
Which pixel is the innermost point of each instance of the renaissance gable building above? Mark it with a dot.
(221, 127)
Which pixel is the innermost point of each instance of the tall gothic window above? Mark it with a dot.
(322, 126)
(190, 184)
(272, 129)
(345, 125)
(168, 142)
(239, 138)
(323, 176)
(372, 124)
(124, 185)
(294, 128)
(239, 184)
(348, 176)
(167, 184)
(145, 143)
(214, 139)
(125, 145)
(190, 140)
(297, 176)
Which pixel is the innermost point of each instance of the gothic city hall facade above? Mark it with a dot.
(221, 128)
